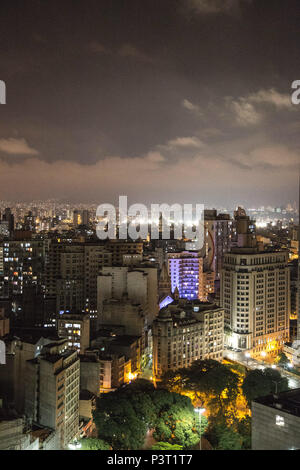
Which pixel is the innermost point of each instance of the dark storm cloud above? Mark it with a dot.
(167, 100)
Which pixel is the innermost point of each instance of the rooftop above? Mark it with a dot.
(288, 401)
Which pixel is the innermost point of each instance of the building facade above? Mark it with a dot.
(185, 332)
(255, 295)
(52, 390)
(76, 330)
(188, 276)
(276, 421)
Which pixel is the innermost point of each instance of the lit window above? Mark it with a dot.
(279, 420)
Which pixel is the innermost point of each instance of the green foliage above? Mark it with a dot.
(210, 379)
(118, 423)
(259, 383)
(177, 420)
(123, 417)
(282, 359)
(166, 446)
(244, 429)
(222, 437)
(94, 444)
(139, 385)
(230, 440)
(201, 428)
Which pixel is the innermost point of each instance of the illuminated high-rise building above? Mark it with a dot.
(52, 390)
(187, 274)
(184, 332)
(255, 295)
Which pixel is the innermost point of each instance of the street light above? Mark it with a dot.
(263, 354)
(200, 412)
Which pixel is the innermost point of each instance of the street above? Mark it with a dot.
(250, 363)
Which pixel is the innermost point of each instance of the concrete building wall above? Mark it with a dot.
(90, 376)
(179, 341)
(274, 429)
(13, 373)
(13, 437)
(140, 284)
(47, 395)
(255, 295)
(52, 442)
(125, 313)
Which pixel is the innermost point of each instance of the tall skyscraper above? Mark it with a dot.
(187, 274)
(255, 295)
(52, 390)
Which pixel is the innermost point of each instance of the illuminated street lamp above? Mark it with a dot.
(200, 412)
(263, 355)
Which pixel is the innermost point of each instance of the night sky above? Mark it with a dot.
(161, 100)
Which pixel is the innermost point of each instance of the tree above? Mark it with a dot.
(94, 444)
(282, 360)
(201, 428)
(230, 440)
(222, 437)
(166, 446)
(139, 385)
(208, 376)
(213, 384)
(177, 421)
(123, 417)
(259, 383)
(244, 429)
(118, 423)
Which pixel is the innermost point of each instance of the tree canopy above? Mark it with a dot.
(259, 383)
(94, 444)
(165, 446)
(212, 383)
(282, 359)
(123, 417)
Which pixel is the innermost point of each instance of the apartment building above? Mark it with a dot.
(276, 421)
(188, 276)
(52, 390)
(119, 248)
(21, 265)
(71, 275)
(255, 295)
(101, 372)
(139, 283)
(184, 332)
(76, 329)
(219, 237)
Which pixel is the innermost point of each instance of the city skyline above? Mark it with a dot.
(189, 101)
